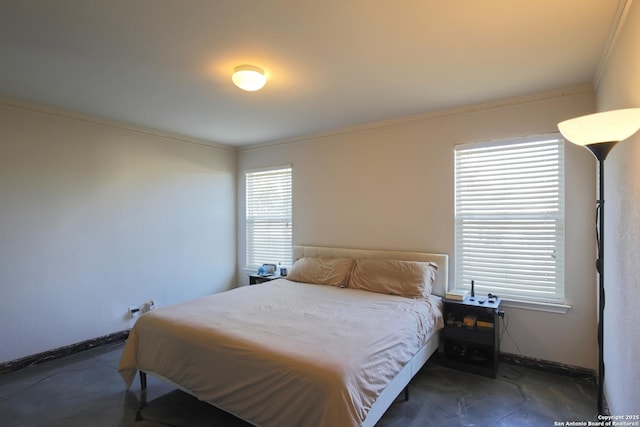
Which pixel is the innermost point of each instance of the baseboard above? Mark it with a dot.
(511, 359)
(545, 365)
(57, 353)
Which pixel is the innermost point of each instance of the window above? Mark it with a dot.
(509, 218)
(268, 216)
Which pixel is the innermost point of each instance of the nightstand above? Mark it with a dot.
(255, 279)
(471, 335)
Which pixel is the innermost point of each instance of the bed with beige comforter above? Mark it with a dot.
(284, 353)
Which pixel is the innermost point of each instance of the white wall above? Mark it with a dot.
(95, 217)
(620, 88)
(390, 186)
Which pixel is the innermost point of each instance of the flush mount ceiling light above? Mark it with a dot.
(249, 78)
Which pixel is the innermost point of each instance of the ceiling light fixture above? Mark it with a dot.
(249, 78)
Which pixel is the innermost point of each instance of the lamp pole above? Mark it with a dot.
(600, 151)
(595, 131)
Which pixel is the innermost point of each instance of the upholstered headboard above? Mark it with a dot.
(442, 260)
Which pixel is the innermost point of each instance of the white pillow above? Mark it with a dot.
(413, 279)
(322, 271)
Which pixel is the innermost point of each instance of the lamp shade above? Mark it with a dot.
(609, 126)
(249, 78)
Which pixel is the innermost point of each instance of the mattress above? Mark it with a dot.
(282, 352)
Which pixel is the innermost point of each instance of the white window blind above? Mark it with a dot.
(268, 217)
(509, 218)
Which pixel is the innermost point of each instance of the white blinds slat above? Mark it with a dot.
(268, 217)
(509, 218)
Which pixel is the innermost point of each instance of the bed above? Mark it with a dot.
(288, 352)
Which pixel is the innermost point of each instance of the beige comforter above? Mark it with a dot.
(284, 353)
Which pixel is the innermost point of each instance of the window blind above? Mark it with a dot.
(509, 218)
(268, 217)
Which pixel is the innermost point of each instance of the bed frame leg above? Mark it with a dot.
(143, 380)
(406, 393)
(143, 396)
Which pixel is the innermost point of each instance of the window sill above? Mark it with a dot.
(537, 306)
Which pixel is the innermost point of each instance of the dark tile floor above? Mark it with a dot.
(85, 389)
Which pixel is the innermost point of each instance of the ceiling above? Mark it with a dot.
(331, 64)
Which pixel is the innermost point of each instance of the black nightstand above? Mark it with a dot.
(255, 279)
(471, 335)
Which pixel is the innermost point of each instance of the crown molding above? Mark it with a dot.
(578, 90)
(614, 33)
(81, 117)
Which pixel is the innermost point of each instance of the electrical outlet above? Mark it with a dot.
(147, 306)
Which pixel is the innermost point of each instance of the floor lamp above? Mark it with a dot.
(599, 133)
